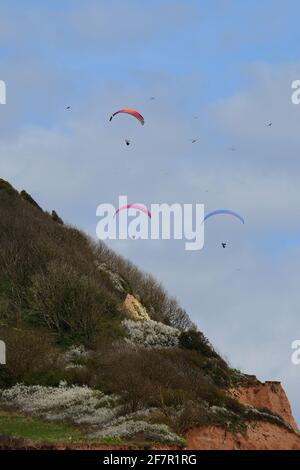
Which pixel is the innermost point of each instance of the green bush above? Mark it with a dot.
(154, 378)
(6, 187)
(24, 195)
(27, 352)
(50, 377)
(70, 303)
(196, 340)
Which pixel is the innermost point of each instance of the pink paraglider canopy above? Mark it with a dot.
(139, 207)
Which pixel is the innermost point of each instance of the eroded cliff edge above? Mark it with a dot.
(268, 396)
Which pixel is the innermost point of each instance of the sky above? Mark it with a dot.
(230, 63)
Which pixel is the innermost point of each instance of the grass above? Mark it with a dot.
(34, 429)
(113, 441)
(16, 425)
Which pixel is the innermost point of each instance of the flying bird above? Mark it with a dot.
(194, 140)
(127, 142)
(270, 124)
(68, 107)
(224, 245)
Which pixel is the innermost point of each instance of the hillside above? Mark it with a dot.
(98, 354)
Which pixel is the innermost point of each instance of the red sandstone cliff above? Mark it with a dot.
(259, 435)
(268, 395)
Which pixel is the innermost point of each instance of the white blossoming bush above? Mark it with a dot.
(151, 334)
(80, 405)
(221, 410)
(116, 279)
(140, 430)
(254, 414)
(75, 356)
(139, 415)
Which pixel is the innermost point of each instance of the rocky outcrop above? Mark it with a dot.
(134, 309)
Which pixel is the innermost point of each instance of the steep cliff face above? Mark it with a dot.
(269, 395)
(259, 435)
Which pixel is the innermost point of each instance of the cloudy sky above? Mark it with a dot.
(230, 63)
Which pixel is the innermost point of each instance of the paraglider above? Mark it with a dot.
(132, 112)
(139, 207)
(224, 211)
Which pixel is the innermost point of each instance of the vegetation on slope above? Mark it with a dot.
(60, 289)
(34, 429)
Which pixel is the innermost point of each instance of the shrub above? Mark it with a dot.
(28, 352)
(76, 355)
(51, 377)
(7, 187)
(151, 334)
(154, 377)
(192, 414)
(196, 340)
(80, 405)
(139, 431)
(218, 371)
(28, 198)
(70, 303)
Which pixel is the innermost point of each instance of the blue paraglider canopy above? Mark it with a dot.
(224, 211)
